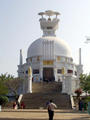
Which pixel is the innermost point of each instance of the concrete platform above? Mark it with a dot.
(35, 114)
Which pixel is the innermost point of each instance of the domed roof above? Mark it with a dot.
(61, 48)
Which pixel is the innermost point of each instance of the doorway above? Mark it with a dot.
(48, 74)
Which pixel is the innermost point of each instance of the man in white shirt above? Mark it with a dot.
(51, 106)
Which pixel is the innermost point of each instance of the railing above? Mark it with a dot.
(20, 98)
(72, 102)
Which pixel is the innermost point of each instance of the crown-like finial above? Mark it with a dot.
(49, 13)
(50, 25)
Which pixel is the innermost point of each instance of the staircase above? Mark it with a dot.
(43, 92)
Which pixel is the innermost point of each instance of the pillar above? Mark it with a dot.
(55, 74)
(41, 74)
(29, 88)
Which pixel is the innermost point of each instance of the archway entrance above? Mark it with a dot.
(48, 74)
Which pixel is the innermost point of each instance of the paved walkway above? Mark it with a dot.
(31, 114)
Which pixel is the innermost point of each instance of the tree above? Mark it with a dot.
(14, 85)
(3, 87)
(85, 83)
(9, 84)
(5, 77)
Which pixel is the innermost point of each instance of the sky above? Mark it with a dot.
(19, 27)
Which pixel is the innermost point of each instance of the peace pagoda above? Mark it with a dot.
(50, 58)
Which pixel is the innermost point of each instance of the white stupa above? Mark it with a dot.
(50, 57)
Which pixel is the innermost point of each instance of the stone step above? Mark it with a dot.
(46, 87)
(43, 92)
(36, 101)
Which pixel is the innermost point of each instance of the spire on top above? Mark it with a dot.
(50, 25)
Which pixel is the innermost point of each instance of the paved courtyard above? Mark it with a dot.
(42, 115)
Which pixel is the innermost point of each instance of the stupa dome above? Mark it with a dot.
(60, 47)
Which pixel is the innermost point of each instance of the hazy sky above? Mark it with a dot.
(19, 27)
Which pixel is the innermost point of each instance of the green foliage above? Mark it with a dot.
(3, 79)
(87, 99)
(3, 100)
(3, 88)
(85, 82)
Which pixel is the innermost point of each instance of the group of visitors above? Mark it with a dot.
(83, 106)
(17, 105)
(51, 106)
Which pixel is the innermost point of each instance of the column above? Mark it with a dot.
(29, 88)
(41, 74)
(63, 85)
(55, 74)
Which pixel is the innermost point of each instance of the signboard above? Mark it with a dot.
(47, 62)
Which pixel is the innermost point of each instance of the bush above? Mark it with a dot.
(87, 99)
(3, 100)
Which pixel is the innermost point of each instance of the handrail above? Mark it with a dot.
(72, 102)
(20, 98)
